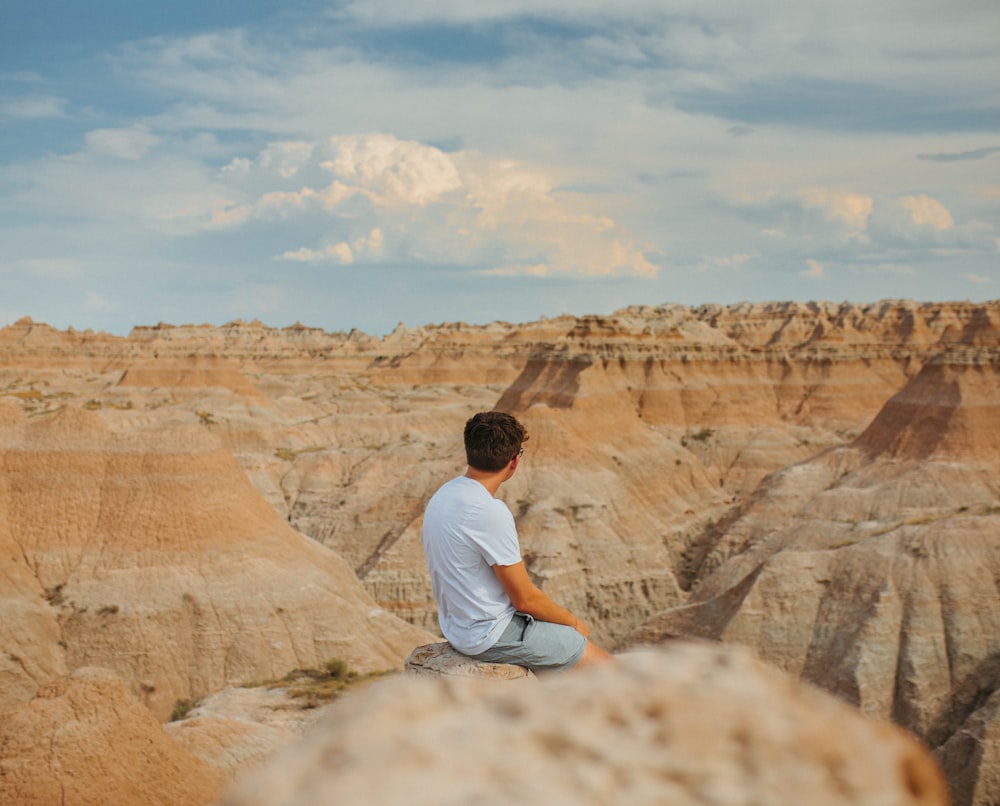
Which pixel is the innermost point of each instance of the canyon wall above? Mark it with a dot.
(189, 505)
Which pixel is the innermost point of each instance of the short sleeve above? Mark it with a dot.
(496, 535)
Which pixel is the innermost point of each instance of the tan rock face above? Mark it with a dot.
(692, 725)
(871, 570)
(85, 740)
(756, 471)
(237, 729)
(161, 561)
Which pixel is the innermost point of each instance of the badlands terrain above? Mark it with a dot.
(194, 508)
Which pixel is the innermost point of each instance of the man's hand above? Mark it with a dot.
(583, 628)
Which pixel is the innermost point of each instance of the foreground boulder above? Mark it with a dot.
(690, 724)
(84, 740)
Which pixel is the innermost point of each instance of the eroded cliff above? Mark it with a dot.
(814, 480)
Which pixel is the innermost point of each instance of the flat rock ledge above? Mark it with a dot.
(442, 659)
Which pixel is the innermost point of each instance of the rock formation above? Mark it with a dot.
(692, 725)
(159, 560)
(238, 728)
(871, 569)
(441, 659)
(85, 740)
(804, 478)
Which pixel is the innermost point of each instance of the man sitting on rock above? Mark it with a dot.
(488, 607)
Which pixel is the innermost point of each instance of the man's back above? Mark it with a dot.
(466, 532)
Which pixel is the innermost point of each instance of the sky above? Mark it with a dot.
(363, 163)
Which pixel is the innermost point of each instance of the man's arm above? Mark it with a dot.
(527, 598)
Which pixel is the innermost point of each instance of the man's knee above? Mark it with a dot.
(592, 655)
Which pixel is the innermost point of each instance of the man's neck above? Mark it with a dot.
(491, 481)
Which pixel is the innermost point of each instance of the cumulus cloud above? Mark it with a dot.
(850, 209)
(927, 212)
(441, 207)
(395, 172)
(343, 253)
(815, 269)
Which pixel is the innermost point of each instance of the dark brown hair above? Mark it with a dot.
(492, 440)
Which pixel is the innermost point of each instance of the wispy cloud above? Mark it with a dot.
(35, 107)
(960, 156)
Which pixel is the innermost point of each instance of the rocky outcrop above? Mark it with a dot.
(870, 570)
(238, 728)
(159, 560)
(441, 659)
(85, 740)
(692, 725)
(755, 471)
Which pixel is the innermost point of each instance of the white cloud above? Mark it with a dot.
(131, 143)
(972, 277)
(33, 107)
(282, 159)
(445, 208)
(394, 171)
(369, 245)
(927, 212)
(815, 269)
(337, 253)
(850, 209)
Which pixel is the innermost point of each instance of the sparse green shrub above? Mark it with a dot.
(182, 708)
(337, 668)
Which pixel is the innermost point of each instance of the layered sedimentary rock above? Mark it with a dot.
(682, 461)
(872, 569)
(159, 560)
(85, 740)
(692, 725)
(238, 728)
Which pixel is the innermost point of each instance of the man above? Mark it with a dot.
(488, 607)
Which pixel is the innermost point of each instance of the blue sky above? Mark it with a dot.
(362, 163)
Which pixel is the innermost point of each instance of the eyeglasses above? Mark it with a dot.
(520, 453)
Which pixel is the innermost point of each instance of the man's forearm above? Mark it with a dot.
(540, 606)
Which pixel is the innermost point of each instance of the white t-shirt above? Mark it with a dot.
(466, 532)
